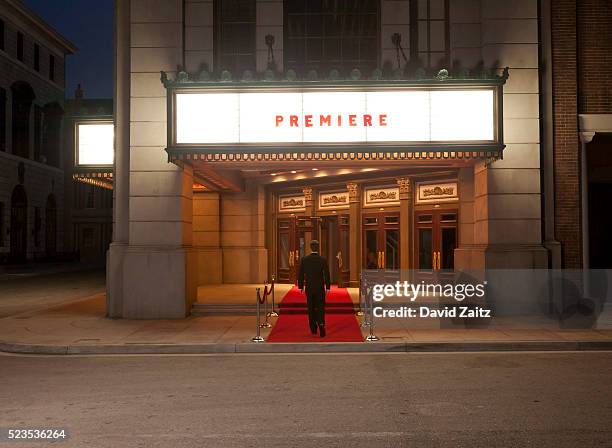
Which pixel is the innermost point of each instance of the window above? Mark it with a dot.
(1, 34)
(52, 67)
(2, 119)
(235, 35)
(37, 133)
(329, 34)
(20, 46)
(429, 33)
(36, 57)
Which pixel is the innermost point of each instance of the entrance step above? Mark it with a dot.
(222, 309)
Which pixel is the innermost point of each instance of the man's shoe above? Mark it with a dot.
(322, 330)
(313, 330)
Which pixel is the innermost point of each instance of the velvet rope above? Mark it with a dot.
(267, 291)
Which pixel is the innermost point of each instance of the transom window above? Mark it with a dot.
(235, 35)
(331, 34)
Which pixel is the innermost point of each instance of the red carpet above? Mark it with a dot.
(340, 322)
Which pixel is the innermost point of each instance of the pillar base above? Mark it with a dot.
(210, 265)
(158, 283)
(501, 256)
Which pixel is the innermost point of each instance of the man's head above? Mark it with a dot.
(314, 246)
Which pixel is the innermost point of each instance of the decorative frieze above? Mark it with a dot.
(334, 200)
(381, 196)
(291, 203)
(428, 192)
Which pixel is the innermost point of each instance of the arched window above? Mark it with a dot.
(19, 224)
(51, 226)
(23, 95)
(52, 131)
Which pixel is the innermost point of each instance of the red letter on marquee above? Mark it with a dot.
(308, 121)
(352, 120)
(279, 120)
(367, 120)
(325, 119)
(383, 120)
(293, 121)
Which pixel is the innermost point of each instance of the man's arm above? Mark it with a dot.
(301, 275)
(327, 276)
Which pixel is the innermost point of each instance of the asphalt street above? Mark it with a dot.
(384, 400)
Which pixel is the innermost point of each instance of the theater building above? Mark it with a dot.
(402, 134)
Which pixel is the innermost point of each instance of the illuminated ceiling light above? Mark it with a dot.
(315, 169)
(273, 174)
(293, 171)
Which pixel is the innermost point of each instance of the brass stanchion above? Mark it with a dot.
(258, 338)
(359, 311)
(266, 324)
(273, 313)
(371, 337)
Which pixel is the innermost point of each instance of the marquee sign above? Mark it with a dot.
(308, 119)
(95, 143)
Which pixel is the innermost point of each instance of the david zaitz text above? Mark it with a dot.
(413, 291)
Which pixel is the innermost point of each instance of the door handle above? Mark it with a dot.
(382, 253)
(290, 258)
(434, 261)
(378, 263)
(438, 259)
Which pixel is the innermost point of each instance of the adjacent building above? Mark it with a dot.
(31, 112)
(429, 135)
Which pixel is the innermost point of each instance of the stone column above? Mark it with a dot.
(406, 197)
(121, 174)
(355, 232)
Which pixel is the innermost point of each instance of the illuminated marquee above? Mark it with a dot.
(95, 143)
(398, 117)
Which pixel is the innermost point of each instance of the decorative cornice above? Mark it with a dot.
(270, 78)
(186, 155)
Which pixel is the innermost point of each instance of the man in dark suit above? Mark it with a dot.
(314, 269)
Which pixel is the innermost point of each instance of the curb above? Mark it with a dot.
(330, 347)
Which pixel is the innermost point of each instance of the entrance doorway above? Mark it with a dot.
(381, 241)
(436, 238)
(19, 224)
(334, 239)
(294, 236)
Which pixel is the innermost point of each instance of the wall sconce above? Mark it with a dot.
(270, 43)
(396, 39)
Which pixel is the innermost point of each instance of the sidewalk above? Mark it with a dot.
(80, 327)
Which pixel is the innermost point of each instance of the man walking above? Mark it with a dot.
(315, 271)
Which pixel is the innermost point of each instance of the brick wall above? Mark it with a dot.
(566, 143)
(595, 56)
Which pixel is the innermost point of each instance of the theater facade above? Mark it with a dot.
(400, 134)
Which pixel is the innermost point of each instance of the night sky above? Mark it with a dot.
(88, 24)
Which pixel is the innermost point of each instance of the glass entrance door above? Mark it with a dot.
(381, 241)
(294, 236)
(436, 238)
(334, 238)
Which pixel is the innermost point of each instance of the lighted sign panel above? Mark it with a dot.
(95, 144)
(332, 117)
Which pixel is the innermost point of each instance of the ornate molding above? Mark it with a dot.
(443, 191)
(353, 190)
(307, 194)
